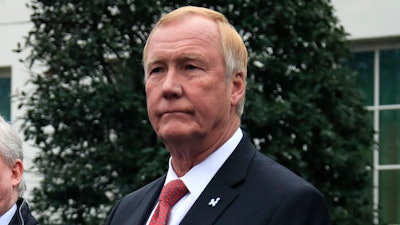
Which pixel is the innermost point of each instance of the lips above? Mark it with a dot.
(174, 112)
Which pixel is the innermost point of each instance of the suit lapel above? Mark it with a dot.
(150, 200)
(148, 203)
(223, 186)
(135, 209)
(201, 210)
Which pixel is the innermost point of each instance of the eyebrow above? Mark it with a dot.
(192, 57)
(181, 58)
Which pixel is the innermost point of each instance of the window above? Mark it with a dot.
(378, 78)
(5, 93)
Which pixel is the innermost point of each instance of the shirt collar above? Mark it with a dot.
(198, 177)
(6, 217)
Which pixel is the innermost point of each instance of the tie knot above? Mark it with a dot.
(173, 191)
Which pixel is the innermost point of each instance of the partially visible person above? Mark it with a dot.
(14, 210)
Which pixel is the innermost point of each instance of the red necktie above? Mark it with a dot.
(170, 194)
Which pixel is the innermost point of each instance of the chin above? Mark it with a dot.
(173, 134)
(177, 134)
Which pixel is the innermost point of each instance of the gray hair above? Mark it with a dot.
(11, 148)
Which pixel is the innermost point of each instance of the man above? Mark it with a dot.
(195, 80)
(14, 210)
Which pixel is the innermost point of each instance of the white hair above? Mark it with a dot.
(11, 148)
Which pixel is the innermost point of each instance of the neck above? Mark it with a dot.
(188, 153)
(8, 203)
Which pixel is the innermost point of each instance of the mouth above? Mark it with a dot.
(174, 112)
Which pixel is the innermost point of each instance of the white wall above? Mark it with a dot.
(369, 18)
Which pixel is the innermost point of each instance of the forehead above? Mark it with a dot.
(191, 23)
(185, 31)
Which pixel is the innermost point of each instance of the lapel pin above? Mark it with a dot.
(213, 202)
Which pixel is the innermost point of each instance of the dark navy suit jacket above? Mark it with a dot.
(253, 190)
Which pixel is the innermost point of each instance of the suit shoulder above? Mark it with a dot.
(268, 171)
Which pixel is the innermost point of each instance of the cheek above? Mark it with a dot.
(151, 104)
(147, 89)
(210, 101)
(149, 95)
(150, 108)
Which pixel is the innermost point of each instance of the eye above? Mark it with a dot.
(191, 67)
(155, 70)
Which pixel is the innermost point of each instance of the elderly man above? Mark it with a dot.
(14, 210)
(195, 79)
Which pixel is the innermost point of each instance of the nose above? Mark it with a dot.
(171, 86)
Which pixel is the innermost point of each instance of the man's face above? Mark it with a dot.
(9, 180)
(188, 97)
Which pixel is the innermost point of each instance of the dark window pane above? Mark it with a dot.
(5, 101)
(390, 77)
(389, 196)
(389, 137)
(363, 64)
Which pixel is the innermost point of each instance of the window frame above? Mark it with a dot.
(376, 45)
(5, 72)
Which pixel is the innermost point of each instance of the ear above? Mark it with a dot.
(17, 171)
(238, 88)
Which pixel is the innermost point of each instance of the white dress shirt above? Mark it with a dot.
(6, 217)
(198, 177)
